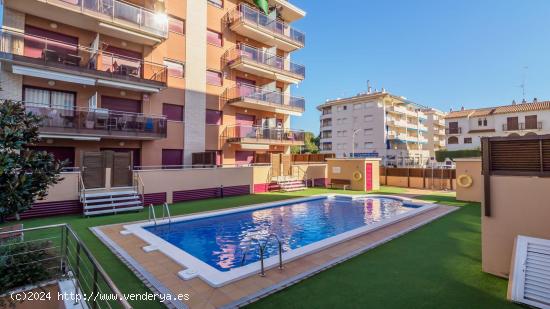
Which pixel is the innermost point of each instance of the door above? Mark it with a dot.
(136, 154)
(275, 165)
(244, 157)
(246, 86)
(121, 170)
(287, 167)
(368, 177)
(93, 170)
(531, 122)
(245, 125)
(512, 123)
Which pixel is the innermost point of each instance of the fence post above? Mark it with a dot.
(95, 288)
(408, 177)
(424, 178)
(386, 175)
(77, 270)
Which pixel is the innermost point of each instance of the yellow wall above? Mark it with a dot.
(472, 168)
(65, 190)
(347, 167)
(519, 206)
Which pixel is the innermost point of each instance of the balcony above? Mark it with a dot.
(94, 124)
(453, 130)
(244, 134)
(111, 17)
(522, 126)
(250, 22)
(36, 56)
(246, 96)
(255, 61)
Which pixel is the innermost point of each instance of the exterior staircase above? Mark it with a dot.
(103, 201)
(291, 184)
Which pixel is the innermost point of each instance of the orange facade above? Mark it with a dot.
(124, 70)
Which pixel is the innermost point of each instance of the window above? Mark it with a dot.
(175, 69)
(216, 3)
(213, 117)
(531, 122)
(453, 140)
(176, 25)
(480, 122)
(368, 118)
(467, 140)
(214, 38)
(345, 107)
(368, 131)
(342, 108)
(173, 112)
(357, 106)
(214, 78)
(49, 98)
(368, 145)
(172, 157)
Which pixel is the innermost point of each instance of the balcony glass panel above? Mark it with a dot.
(245, 91)
(262, 57)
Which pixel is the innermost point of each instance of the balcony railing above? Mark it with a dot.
(327, 111)
(246, 13)
(326, 124)
(97, 122)
(259, 134)
(119, 11)
(43, 51)
(453, 130)
(246, 52)
(522, 126)
(277, 98)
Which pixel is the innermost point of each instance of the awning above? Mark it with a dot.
(22, 70)
(72, 137)
(109, 83)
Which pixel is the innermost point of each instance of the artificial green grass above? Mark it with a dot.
(438, 265)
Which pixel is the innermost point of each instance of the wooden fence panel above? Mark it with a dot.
(421, 178)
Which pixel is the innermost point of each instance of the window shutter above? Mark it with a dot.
(531, 273)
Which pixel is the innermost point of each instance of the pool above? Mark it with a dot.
(224, 246)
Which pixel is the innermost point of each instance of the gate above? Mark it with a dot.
(93, 170)
(95, 163)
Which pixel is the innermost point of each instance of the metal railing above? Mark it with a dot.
(453, 130)
(262, 249)
(139, 187)
(98, 121)
(272, 97)
(35, 49)
(57, 253)
(238, 133)
(250, 53)
(119, 11)
(245, 13)
(522, 126)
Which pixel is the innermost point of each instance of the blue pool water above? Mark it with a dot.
(221, 241)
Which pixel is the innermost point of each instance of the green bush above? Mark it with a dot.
(441, 155)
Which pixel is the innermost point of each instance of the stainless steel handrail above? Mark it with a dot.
(165, 207)
(152, 213)
(262, 248)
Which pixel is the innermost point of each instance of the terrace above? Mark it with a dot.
(111, 17)
(47, 58)
(246, 134)
(246, 96)
(249, 59)
(250, 22)
(445, 254)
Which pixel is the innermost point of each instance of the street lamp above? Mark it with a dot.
(353, 142)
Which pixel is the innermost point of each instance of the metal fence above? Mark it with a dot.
(55, 252)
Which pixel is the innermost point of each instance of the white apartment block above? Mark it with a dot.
(465, 128)
(381, 125)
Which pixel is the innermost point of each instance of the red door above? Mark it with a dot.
(368, 177)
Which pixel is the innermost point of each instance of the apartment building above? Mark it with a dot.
(382, 125)
(436, 129)
(161, 79)
(466, 127)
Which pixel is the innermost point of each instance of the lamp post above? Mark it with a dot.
(353, 142)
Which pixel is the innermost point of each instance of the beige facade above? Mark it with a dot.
(182, 77)
(380, 125)
(469, 167)
(348, 169)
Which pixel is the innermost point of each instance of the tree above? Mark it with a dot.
(25, 174)
(311, 144)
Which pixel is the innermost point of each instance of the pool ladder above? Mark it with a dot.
(165, 213)
(262, 248)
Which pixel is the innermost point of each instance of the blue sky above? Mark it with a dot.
(439, 53)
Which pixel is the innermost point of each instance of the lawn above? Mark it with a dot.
(438, 265)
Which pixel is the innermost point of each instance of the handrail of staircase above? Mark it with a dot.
(139, 187)
(152, 213)
(165, 207)
(81, 187)
(303, 171)
(262, 248)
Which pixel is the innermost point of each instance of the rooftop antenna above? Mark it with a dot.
(524, 82)
(369, 89)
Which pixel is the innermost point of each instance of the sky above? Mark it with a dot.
(440, 53)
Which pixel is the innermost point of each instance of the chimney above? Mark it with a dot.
(513, 102)
(369, 89)
(383, 90)
(523, 101)
(535, 100)
(462, 108)
(451, 110)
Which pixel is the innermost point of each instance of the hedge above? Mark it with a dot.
(441, 155)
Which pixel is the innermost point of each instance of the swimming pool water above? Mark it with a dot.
(221, 241)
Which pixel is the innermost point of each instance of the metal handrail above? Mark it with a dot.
(300, 169)
(139, 186)
(81, 187)
(165, 207)
(262, 248)
(152, 213)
